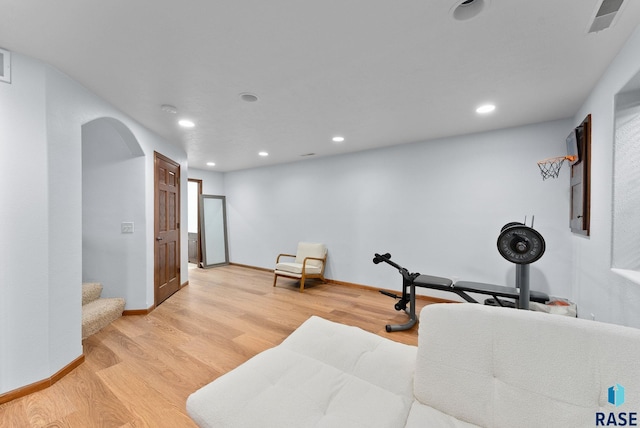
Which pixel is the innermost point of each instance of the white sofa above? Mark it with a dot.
(474, 366)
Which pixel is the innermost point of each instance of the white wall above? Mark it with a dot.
(73, 106)
(42, 112)
(597, 290)
(212, 181)
(436, 206)
(24, 229)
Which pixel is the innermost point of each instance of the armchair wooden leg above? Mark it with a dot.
(302, 284)
(275, 278)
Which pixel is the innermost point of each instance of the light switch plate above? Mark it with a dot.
(126, 227)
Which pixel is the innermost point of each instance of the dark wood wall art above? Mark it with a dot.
(581, 180)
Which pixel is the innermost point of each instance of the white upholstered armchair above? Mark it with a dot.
(310, 260)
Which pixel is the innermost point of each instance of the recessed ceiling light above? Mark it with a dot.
(263, 154)
(169, 108)
(486, 108)
(211, 164)
(185, 123)
(337, 139)
(248, 97)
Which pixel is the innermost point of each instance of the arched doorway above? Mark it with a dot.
(114, 250)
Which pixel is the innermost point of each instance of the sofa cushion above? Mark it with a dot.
(499, 367)
(421, 416)
(358, 352)
(323, 375)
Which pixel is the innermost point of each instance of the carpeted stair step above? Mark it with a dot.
(99, 313)
(91, 291)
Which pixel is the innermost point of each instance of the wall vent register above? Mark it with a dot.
(605, 15)
(5, 66)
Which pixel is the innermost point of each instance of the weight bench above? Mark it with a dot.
(412, 280)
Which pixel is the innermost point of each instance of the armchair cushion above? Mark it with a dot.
(313, 267)
(296, 268)
(310, 249)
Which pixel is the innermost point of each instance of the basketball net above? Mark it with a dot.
(550, 167)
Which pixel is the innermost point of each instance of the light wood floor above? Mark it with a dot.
(139, 371)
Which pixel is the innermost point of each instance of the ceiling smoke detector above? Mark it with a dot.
(248, 97)
(468, 9)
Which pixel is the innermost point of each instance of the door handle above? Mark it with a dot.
(159, 238)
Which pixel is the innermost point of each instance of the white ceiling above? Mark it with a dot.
(378, 72)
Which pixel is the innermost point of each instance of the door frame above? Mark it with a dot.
(199, 182)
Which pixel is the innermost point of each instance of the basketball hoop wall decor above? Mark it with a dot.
(579, 157)
(550, 167)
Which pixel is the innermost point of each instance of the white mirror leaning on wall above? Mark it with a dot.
(213, 224)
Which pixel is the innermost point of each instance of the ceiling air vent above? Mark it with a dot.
(5, 66)
(605, 15)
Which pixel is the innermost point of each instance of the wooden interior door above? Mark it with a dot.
(167, 228)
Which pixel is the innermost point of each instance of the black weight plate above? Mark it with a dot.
(511, 224)
(521, 245)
